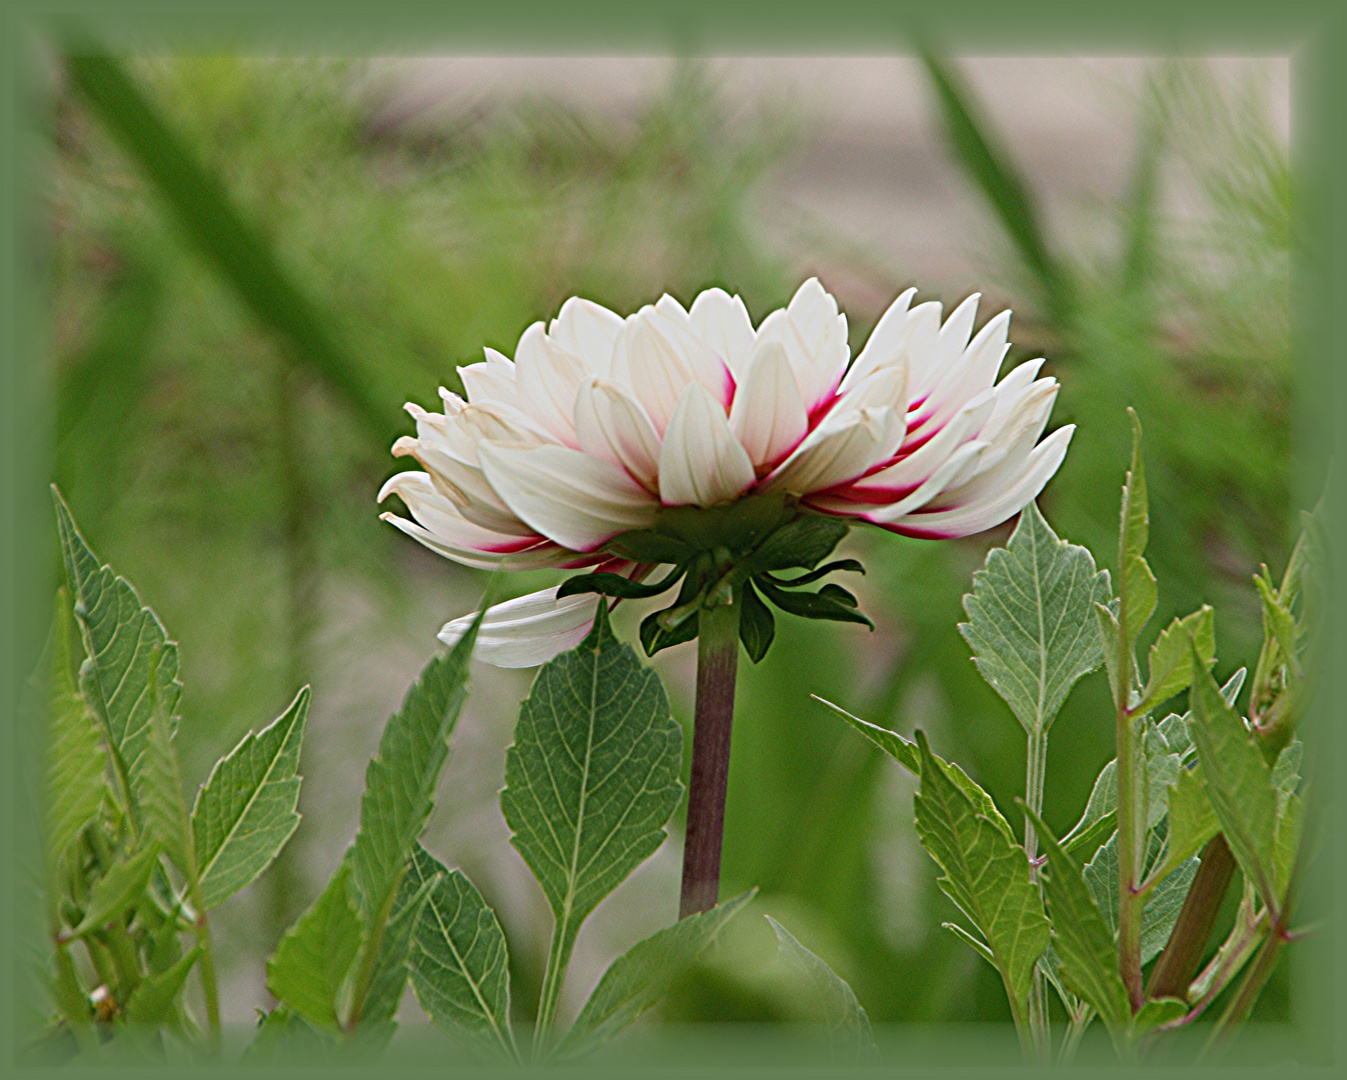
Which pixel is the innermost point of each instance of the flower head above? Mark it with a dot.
(688, 436)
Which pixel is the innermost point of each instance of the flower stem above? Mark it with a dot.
(717, 666)
(1035, 770)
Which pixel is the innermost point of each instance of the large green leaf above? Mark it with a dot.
(245, 812)
(400, 780)
(638, 978)
(76, 762)
(592, 776)
(848, 1026)
(1031, 616)
(315, 956)
(986, 872)
(460, 964)
(1238, 781)
(1080, 937)
(125, 645)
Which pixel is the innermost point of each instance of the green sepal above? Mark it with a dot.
(852, 566)
(804, 542)
(813, 605)
(607, 584)
(757, 624)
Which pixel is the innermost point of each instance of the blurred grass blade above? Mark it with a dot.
(203, 209)
(993, 172)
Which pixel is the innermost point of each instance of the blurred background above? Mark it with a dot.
(229, 351)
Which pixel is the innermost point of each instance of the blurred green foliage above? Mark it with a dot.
(213, 457)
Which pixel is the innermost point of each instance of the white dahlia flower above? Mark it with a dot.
(586, 442)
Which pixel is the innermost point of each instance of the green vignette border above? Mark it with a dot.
(1313, 32)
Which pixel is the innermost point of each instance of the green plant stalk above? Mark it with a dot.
(1075, 1030)
(717, 668)
(206, 964)
(1036, 764)
(370, 958)
(1175, 970)
(563, 939)
(1130, 836)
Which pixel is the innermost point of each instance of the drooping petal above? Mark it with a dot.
(464, 486)
(571, 497)
(610, 423)
(657, 360)
(701, 462)
(999, 494)
(527, 631)
(814, 336)
(587, 330)
(768, 418)
(840, 449)
(722, 322)
(886, 346)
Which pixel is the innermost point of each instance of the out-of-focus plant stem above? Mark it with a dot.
(717, 668)
(1035, 769)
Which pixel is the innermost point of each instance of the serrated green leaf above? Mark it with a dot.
(848, 1026)
(155, 999)
(1162, 906)
(1238, 782)
(1110, 634)
(1081, 938)
(245, 812)
(986, 871)
(314, 957)
(1141, 592)
(1170, 669)
(400, 779)
(592, 776)
(1286, 770)
(638, 978)
(158, 788)
(460, 965)
(124, 643)
(757, 624)
(1031, 623)
(903, 751)
(118, 890)
(1290, 826)
(392, 965)
(1279, 624)
(1192, 822)
(1099, 818)
(76, 765)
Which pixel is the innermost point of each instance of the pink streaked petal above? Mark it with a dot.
(465, 488)
(447, 514)
(838, 451)
(814, 336)
(922, 331)
(768, 417)
(722, 322)
(970, 373)
(701, 463)
(571, 497)
(912, 469)
(999, 502)
(886, 345)
(610, 423)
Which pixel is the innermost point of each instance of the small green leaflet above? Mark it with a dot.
(757, 624)
(245, 812)
(1238, 782)
(904, 751)
(638, 978)
(158, 787)
(1279, 624)
(125, 644)
(117, 890)
(400, 780)
(592, 776)
(848, 1027)
(391, 965)
(986, 871)
(76, 762)
(460, 963)
(154, 1001)
(1171, 669)
(1161, 909)
(1138, 583)
(1100, 816)
(1192, 822)
(1290, 827)
(1031, 623)
(315, 955)
(1156, 1013)
(1082, 941)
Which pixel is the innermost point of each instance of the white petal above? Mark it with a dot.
(998, 502)
(885, 387)
(839, 450)
(610, 423)
(953, 470)
(527, 631)
(657, 360)
(969, 372)
(463, 486)
(491, 380)
(722, 322)
(814, 336)
(887, 343)
(568, 496)
(548, 377)
(768, 417)
(587, 330)
(701, 463)
(911, 471)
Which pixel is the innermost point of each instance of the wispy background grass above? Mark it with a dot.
(251, 264)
